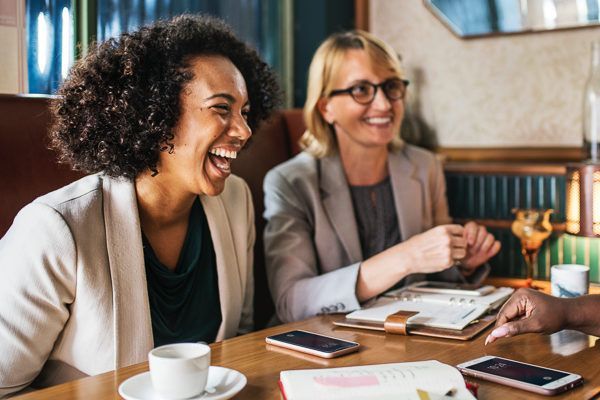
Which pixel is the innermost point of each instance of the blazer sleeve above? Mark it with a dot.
(299, 290)
(247, 318)
(38, 266)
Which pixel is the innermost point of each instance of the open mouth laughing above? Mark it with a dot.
(221, 159)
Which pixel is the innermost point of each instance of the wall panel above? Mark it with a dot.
(490, 197)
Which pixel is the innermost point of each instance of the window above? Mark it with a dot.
(51, 40)
(51, 29)
(255, 21)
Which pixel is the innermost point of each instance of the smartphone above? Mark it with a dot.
(465, 289)
(312, 343)
(520, 375)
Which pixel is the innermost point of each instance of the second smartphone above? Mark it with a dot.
(312, 343)
(520, 375)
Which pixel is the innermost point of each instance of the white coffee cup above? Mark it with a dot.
(180, 370)
(569, 280)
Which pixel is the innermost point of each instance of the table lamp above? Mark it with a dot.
(583, 199)
(583, 179)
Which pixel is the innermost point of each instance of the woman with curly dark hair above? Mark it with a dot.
(155, 246)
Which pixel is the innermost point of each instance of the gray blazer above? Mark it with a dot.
(312, 246)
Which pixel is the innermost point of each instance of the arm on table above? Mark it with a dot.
(300, 290)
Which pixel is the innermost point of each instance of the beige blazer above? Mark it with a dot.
(73, 294)
(312, 245)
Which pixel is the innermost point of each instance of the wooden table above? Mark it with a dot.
(542, 285)
(567, 350)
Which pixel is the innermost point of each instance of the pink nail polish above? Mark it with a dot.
(500, 332)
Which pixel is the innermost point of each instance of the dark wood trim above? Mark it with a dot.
(503, 154)
(361, 14)
(17, 96)
(496, 168)
(504, 224)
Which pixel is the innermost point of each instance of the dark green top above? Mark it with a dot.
(184, 304)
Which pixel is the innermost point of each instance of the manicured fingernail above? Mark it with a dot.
(500, 332)
(489, 339)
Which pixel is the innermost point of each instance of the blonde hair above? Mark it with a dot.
(319, 138)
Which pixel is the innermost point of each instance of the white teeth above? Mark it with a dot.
(224, 153)
(379, 120)
(222, 165)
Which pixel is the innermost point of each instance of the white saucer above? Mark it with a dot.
(223, 383)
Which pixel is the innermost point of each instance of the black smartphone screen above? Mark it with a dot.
(519, 372)
(313, 341)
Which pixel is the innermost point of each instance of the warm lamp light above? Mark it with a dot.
(583, 199)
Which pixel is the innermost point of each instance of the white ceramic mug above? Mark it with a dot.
(180, 370)
(569, 280)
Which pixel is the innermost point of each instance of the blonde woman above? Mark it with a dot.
(359, 211)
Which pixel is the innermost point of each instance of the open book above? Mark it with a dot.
(381, 381)
(435, 310)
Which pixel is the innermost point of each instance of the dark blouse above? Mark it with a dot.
(376, 217)
(184, 303)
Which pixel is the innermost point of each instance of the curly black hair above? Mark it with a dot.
(117, 109)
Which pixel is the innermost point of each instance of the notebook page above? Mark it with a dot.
(374, 381)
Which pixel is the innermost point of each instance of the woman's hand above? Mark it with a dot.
(481, 246)
(436, 249)
(529, 311)
(432, 251)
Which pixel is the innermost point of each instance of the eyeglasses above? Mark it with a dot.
(364, 92)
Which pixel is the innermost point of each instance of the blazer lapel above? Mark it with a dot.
(408, 197)
(337, 202)
(131, 309)
(230, 285)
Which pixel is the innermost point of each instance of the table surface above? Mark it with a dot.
(567, 350)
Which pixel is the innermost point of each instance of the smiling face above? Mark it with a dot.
(360, 126)
(211, 130)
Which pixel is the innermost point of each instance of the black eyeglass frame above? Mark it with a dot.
(375, 87)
